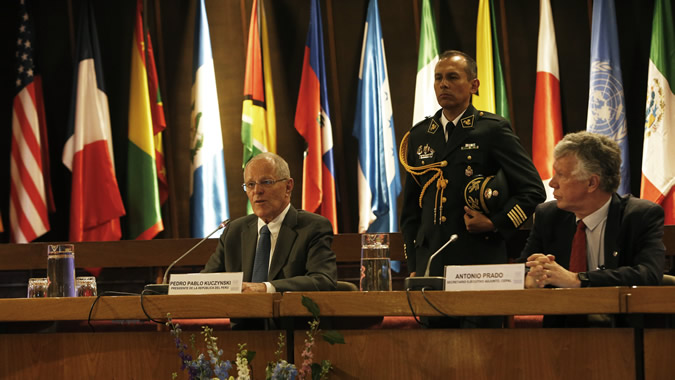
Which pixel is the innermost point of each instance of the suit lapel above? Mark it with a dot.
(249, 238)
(612, 232)
(285, 240)
(565, 232)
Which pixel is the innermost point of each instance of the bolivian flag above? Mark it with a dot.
(143, 208)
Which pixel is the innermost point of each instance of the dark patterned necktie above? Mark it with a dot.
(578, 254)
(262, 256)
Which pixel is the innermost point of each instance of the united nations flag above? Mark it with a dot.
(487, 194)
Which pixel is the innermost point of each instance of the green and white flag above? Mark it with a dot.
(425, 97)
(501, 98)
(658, 154)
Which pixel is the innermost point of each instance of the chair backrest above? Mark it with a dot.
(668, 280)
(346, 286)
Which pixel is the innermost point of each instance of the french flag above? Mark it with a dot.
(312, 120)
(95, 203)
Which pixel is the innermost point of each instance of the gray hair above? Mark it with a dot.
(470, 68)
(281, 169)
(596, 155)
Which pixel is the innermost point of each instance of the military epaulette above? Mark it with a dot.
(489, 115)
(426, 119)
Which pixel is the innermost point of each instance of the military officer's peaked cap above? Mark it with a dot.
(487, 194)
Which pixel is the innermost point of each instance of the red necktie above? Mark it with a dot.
(578, 254)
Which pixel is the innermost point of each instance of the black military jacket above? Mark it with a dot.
(481, 143)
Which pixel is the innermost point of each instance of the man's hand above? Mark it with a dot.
(476, 222)
(544, 270)
(536, 277)
(253, 287)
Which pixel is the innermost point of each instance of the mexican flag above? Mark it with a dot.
(425, 98)
(658, 157)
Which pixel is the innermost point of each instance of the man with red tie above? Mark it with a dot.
(591, 236)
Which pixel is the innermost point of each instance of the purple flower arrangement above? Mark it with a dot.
(214, 367)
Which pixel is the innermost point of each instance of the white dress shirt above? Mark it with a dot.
(595, 236)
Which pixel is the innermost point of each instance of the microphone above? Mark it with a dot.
(163, 288)
(426, 282)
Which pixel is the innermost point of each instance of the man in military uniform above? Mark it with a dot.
(442, 154)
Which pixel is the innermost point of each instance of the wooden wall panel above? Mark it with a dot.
(480, 354)
(131, 355)
(659, 349)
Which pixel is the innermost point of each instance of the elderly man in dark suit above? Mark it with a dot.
(591, 236)
(278, 248)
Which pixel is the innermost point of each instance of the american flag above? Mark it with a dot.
(30, 192)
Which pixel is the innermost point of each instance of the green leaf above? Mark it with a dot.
(316, 371)
(250, 355)
(311, 306)
(333, 336)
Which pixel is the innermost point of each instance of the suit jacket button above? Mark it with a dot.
(443, 219)
(444, 199)
(468, 158)
(615, 253)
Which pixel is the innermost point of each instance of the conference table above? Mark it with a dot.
(50, 337)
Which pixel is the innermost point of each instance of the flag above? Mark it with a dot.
(658, 157)
(501, 99)
(485, 98)
(143, 207)
(258, 125)
(312, 120)
(491, 96)
(208, 184)
(30, 190)
(606, 105)
(425, 96)
(547, 120)
(158, 122)
(379, 181)
(95, 202)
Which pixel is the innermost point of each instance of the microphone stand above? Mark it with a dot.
(426, 282)
(163, 288)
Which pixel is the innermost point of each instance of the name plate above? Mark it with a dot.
(484, 277)
(206, 283)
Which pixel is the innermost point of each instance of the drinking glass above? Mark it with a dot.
(61, 270)
(375, 262)
(85, 286)
(37, 287)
